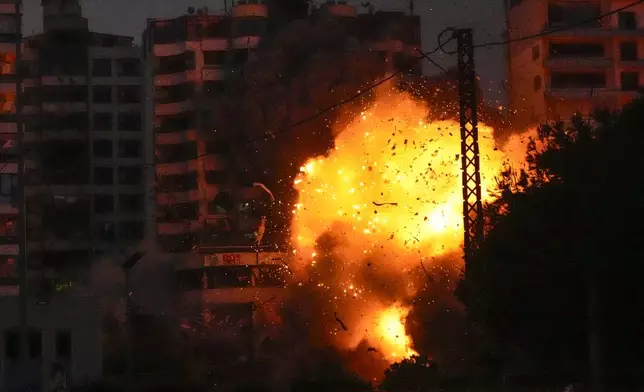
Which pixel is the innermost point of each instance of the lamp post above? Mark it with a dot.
(127, 267)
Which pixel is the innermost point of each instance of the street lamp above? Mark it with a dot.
(127, 267)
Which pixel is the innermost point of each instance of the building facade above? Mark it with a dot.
(11, 192)
(567, 70)
(86, 149)
(230, 285)
(65, 332)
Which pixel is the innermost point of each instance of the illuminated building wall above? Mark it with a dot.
(188, 59)
(10, 193)
(570, 71)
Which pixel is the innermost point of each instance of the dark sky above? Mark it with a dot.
(127, 17)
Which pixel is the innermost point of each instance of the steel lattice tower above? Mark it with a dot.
(471, 176)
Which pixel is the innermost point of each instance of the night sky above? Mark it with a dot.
(127, 17)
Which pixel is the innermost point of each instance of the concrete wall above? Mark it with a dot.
(81, 317)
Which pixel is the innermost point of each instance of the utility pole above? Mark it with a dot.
(129, 310)
(470, 162)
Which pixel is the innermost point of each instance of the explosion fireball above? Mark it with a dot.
(384, 202)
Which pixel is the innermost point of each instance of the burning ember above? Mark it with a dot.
(377, 213)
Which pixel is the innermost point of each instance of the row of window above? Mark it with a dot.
(100, 94)
(127, 231)
(179, 30)
(627, 50)
(629, 81)
(104, 148)
(588, 14)
(101, 121)
(62, 344)
(129, 67)
(127, 202)
(186, 61)
(126, 175)
(187, 91)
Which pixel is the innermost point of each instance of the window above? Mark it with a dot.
(584, 80)
(168, 153)
(105, 231)
(102, 121)
(249, 26)
(177, 63)
(131, 230)
(103, 203)
(240, 57)
(128, 67)
(577, 50)
(63, 344)
(11, 345)
(103, 148)
(35, 344)
(177, 182)
(569, 14)
(627, 20)
(102, 67)
(103, 176)
(537, 83)
(102, 94)
(216, 177)
(535, 53)
(130, 148)
(129, 94)
(8, 187)
(130, 203)
(230, 277)
(129, 121)
(176, 122)
(214, 87)
(174, 93)
(630, 81)
(130, 175)
(177, 212)
(8, 24)
(628, 51)
(214, 57)
(8, 267)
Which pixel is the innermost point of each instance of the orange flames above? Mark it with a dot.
(390, 195)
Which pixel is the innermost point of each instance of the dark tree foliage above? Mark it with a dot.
(327, 373)
(415, 374)
(573, 218)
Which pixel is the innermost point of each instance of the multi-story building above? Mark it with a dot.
(62, 330)
(86, 149)
(395, 36)
(205, 215)
(571, 67)
(10, 195)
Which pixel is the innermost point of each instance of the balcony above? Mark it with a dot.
(600, 93)
(578, 62)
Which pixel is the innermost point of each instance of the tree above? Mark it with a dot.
(415, 374)
(562, 232)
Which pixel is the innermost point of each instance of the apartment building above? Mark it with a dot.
(395, 36)
(188, 60)
(567, 70)
(86, 148)
(10, 192)
(229, 283)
